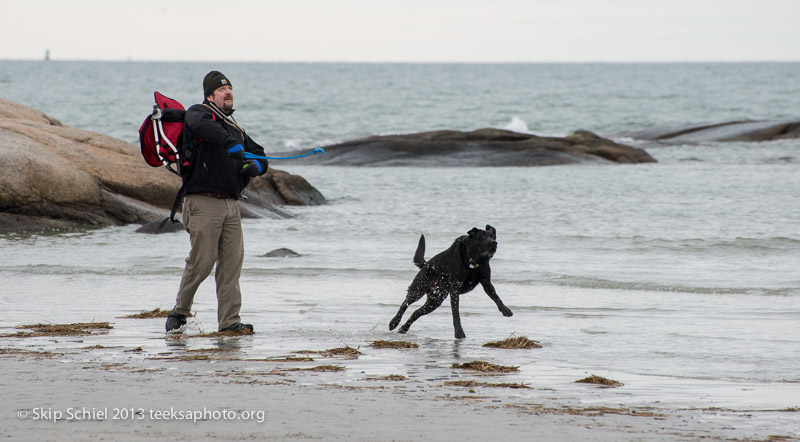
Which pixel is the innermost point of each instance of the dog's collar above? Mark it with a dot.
(471, 263)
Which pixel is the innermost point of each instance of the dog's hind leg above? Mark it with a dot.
(456, 317)
(396, 320)
(430, 305)
(412, 297)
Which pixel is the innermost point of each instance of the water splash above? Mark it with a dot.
(517, 125)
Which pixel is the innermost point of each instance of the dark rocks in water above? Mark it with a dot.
(155, 227)
(56, 177)
(483, 147)
(10, 222)
(279, 187)
(729, 131)
(281, 253)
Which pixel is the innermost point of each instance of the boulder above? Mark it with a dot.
(728, 131)
(56, 177)
(482, 147)
(281, 253)
(279, 187)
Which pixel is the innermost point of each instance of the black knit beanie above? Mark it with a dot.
(213, 81)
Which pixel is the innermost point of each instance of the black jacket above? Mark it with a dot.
(206, 139)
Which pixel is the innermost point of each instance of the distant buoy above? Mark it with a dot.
(47, 55)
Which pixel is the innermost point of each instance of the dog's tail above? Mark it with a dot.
(419, 256)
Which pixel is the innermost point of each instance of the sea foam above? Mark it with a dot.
(517, 125)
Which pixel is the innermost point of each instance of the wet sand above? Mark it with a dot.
(211, 388)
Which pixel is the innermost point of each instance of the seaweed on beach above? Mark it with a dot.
(392, 344)
(539, 409)
(286, 359)
(115, 366)
(157, 313)
(342, 351)
(463, 383)
(512, 385)
(183, 358)
(593, 379)
(123, 366)
(486, 367)
(206, 354)
(77, 329)
(518, 342)
(327, 368)
(464, 398)
(320, 368)
(23, 352)
(485, 384)
(391, 377)
(205, 350)
(272, 372)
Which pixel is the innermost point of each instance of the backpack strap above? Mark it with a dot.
(217, 112)
(175, 206)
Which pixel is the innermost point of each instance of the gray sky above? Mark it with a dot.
(402, 30)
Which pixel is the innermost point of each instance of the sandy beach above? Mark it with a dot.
(211, 388)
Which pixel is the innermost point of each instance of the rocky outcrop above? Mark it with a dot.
(282, 253)
(54, 176)
(483, 147)
(282, 188)
(728, 131)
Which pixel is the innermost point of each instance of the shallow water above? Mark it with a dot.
(678, 279)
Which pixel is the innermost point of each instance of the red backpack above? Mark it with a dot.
(161, 140)
(161, 135)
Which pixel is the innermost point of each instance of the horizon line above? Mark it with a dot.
(132, 60)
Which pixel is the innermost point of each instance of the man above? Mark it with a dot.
(218, 173)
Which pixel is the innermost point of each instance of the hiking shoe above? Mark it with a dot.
(175, 321)
(245, 329)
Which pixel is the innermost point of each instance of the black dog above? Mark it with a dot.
(453, 272)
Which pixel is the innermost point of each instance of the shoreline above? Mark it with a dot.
(259, 406)
(215, 390)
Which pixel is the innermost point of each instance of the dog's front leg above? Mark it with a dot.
(489, 289)
(456, 317)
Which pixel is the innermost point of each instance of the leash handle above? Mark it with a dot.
(318, 150)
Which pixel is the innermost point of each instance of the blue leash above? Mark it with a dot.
(313, 152)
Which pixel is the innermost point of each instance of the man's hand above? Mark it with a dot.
(236, 152)
(252, 168)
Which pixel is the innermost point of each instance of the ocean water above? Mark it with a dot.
(679, 278)
(291, 105)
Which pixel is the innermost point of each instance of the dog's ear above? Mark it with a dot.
(473, 232)
(491, 231)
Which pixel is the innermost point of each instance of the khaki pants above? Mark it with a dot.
(215, 234)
